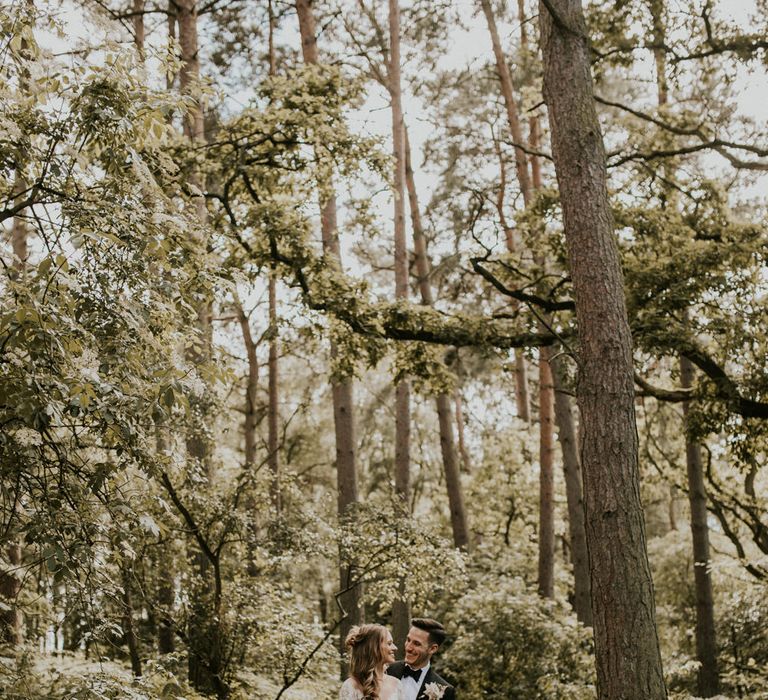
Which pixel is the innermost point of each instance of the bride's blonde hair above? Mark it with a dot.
(364, 643)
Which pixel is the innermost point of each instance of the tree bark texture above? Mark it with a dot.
(342, 391)
(138, 27)
(402, 394)
(273, 409)
(546, 571)
(466, 460)
(204, 634)
(521, 160)
(626, 641)
(129, 630)
(566, 433)
(189, 74)
(251, 387)
(708, 681)
(401, 608)
(172, 21)
(11, 620)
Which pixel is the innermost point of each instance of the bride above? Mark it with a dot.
(371, 649)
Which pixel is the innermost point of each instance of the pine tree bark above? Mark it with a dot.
(566, 434)
(273, 409)
(546, 569)
(204, 633)
(401, 608)
(342, 391)
(138, 26)
(626, 645)
(507, 90)
(708, 680)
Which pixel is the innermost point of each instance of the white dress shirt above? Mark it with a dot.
(411, 685)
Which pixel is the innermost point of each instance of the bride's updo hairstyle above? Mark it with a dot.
(364, 644)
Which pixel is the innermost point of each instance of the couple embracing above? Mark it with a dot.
(375, 675)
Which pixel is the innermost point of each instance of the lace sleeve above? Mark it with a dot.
(400, 691)
(349, 692)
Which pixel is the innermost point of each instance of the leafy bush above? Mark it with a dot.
(742, 634)
(510, 643)
(29, 676)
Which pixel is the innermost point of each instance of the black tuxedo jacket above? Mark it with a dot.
(396, 670)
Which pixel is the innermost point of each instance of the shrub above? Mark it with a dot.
(510, 643)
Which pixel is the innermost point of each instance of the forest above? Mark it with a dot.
(317, 312)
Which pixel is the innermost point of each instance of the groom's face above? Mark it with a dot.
(418, 650)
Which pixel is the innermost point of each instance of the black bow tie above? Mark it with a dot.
(412, 672)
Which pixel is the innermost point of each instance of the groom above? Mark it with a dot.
(418, 679)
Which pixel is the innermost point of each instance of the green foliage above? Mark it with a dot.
(390, 548)
(511, 643)
(24, 678)
(741, 631)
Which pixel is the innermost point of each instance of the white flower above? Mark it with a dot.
(434, 691)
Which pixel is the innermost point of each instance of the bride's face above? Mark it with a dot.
(388, 649)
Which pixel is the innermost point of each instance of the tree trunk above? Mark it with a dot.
(458, 512)
(566, 433)
(273, 411)
(546, 470)
(466, 460)
(521, 160)
(138, 27)
(401, 609)
(342, 391)
(546, 577)
(522, 398)
(129, 631)
(204, 634)
(626, 645)
(166, 642)
(11, 620)
(251, 387)
(166, 595)
(708, 684)
(172, 20)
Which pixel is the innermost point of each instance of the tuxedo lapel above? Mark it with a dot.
(427, 679)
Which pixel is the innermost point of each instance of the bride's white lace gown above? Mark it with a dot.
(349, 691)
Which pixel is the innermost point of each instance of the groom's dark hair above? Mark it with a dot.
(433, 628)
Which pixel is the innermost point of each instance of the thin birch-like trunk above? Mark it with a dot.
(708, 680)
(459, 524)
(342, 391)
(569, 446)
(401, 608)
